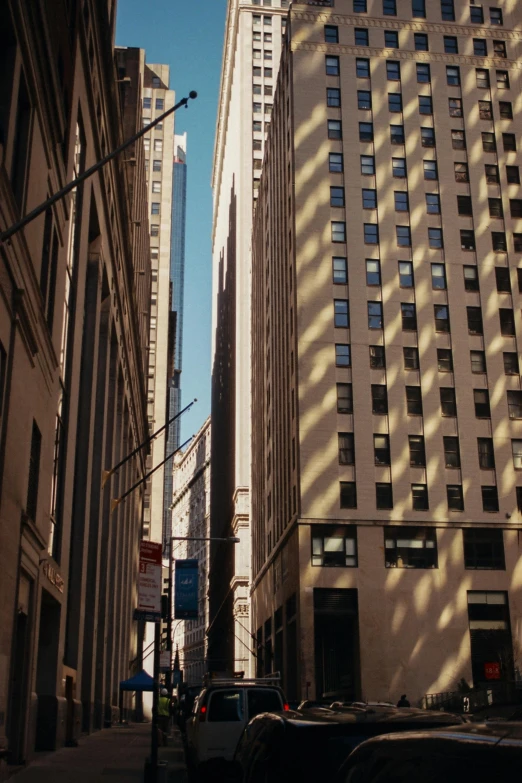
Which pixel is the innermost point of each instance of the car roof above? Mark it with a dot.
(358, 715)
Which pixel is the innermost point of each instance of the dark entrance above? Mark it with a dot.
(490, 632)
(336, 644)
(46, 673)
(19, 686)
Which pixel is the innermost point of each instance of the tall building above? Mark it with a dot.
(73, 351)
(177, 278)
(386, 387)
(191, 517)
(252, 48)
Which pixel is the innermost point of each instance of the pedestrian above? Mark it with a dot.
(164, 714)
(403, 701)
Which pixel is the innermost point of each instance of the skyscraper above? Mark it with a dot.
(251, 54)
(386, 392)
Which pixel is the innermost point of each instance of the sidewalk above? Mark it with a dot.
(110, 756)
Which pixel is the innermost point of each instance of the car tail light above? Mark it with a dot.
(203, 714)
(286, 707)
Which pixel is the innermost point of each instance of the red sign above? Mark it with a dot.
(149, 579)
(492, 671)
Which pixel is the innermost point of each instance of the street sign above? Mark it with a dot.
(149, 580)
(148, 617)
(492, 671)
(186, 590)
(165, 661)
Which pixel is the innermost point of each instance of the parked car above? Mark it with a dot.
(483, 753)
(187, 696)
(309, 746)
(220, 713)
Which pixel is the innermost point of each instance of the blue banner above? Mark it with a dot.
(186, 590)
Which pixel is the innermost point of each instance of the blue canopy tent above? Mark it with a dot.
(140, 683)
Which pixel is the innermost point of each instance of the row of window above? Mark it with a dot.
(423, 70)
(160, 103)
(407, 547)
(419, 496)
(418, 11)
(420, 42)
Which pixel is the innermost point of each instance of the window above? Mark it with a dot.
(474, 316)
(379, 399)
(481, 402)
(425, 104)
(399, 167)
(375, 315)
(514, 400)
(505, 110)
(430, 169)
(441, 313)
(461, 172)
(348, 494)
(516, 449)
(447, 10)
(364, 99)
(480, 47)
(256, 70)
(421, 42)
(458, 140)
(464, 206)
(453, 75)
(498, 240)
(341, 313)
(502, 80)
(451, 452)
(346, 448)
(519, 499)
(511, 363)
(362, 68)
(160, 103)
(361, 37)
(366, 131)
(401, 201)
(344, 398)
(359, 6)
(489, 143)
(156, 165)
(333, 97)
(492, 176)
(267, 54)
(451, 44)
(414, 400)
(391, 39)
(411, 547)
(383, 495)
(397, 134)
(482, 77)
(427, 137)
(377, 357)
(367, 164)
(509, 142)
(418, 9)
(467, 239)
(502, 279)
(389, 7)
(331, 33)
(499, 49)
(478, 361)
(476, 14)
(411, 358)
(423, 73)
(435, 237)
(257, 126)
(448, 403)
(438, 282)
(444, 360)
(455, 107)
(257, 107)
(335, 129)
(403, 236)
(455, 497)
(156, 187)
(408, 316)
(517, 242)
(332, 65)
(419, 494)
(334, 547)
(371, 234)
(155, 208)
(340, 270)
(335, 162)
(489, 499)
(33, 480)
(485, 110)
(336, 197)
(507, 321)
(513, 175)
(484, 549)
(373, 271)
(495, 207)
(268, 73)
(342, 355)
(393, 71)
(147, 103)
(369, 199)
(154, 230)
(405, 274)
(338, 231)
(158, 145)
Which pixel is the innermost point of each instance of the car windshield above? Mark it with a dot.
(226, 706)
(263, 700)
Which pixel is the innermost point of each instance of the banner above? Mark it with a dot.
(149, 580)
(186, 590)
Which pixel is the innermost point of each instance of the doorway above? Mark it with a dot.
(19, 685)
(336, 637)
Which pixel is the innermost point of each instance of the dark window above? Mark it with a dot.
(515, 207)
(451, 44)
(425, 104)
(367, 165)
(455, 107)
(481, 402)
(381, 449)
(467, 239)
(516, 450)
(391, 39)
(430, 169)
(346, 448)
(519, 499)
(498, 241)
(492, 177)
(444, 360)
(360, 6)
(484, 549)
(399, 167)
(411, 547)
(480, 47)
(517, 243)
(435, 237)
(383, 495)
(478, 361)
(486, 455)
(511, 363)
(366, 131)
(464, 205)
(389, 7)
(336, 196)
(423, 73)
(344, 398)
(375, 315)
(507, 321)
(418, 9)
(405, 274)
(458, 139)
(397, 134)
(362, 68)
(361, 37)
(373, 271)
(495, 207)
(447, 10)
(502, 80)
(409, 316)
(364, 99)
(461, 172)
(394, 102)
(476, 14)
(348, 494)
(474, 315)
(482, 78)
(33, 473)
(340, 269)
(448, 402)
(502, 279)
(427, 137)
(342, 355)
(441, 313)
(411, 358)
(334, 547)
(513, 175)
(414, 400)
(433, 203)
(401, 200)
(403, 236)
(333, 97)
(489, 498)
(335, 129)
(393, 71)
(471, 283)
(499, 49)
(489, 143)
(505, 110)
(451, 452)
(377, 357)
(369, 199)
(341, 313)
(335, 161)
(485, 110)
(331, 33)
(421, 42)
(379, 399)
(519, 280)
(509, 142)
(514, 400)
(371, 234)
(453, 75)
(419, 497)
(226, 706)
(455, 497)
(332, 65)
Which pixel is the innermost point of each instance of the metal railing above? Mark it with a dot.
(486, 695)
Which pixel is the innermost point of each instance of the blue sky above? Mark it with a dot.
(188, 36)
